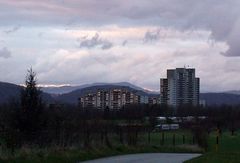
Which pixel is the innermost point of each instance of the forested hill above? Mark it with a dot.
(220, 98)
(10, 92)
(73, 96)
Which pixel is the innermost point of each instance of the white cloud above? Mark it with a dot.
(177, 32)
(141, 64)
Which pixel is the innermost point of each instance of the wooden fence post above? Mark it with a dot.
(174, 139)
(149, 137)
(217, 142)
(183, 139)
(162, 138)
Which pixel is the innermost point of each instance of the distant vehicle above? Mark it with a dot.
(174, 126)
(172, 119)
(166, 127)
(161, 119)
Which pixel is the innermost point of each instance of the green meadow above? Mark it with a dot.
(228, 150)
(74, 154)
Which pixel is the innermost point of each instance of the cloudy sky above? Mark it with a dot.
(87, 41)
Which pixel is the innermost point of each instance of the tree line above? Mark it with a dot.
(30, 122)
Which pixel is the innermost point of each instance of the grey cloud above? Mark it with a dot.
(70, 24)
(2, 41)
(40, 34)
(12, 30)
(5, 53)
(151, 36)
(233, 40)
(94, 42)
(106, 45)
(124, 43)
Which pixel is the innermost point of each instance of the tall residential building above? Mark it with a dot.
(102, 99)
(116, 99)
(181, 87)
(88, 101)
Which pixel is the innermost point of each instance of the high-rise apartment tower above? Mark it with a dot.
(181, 87)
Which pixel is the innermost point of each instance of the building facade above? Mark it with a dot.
(112, 98)
(181, 87)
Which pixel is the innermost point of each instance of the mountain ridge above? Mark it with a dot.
(73, 96)
(9, 90)
(67, 89)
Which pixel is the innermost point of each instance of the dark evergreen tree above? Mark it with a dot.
(31, 107)
(30, 95)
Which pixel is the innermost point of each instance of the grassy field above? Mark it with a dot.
(156, 138)
(228, 150)
(61, 155)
